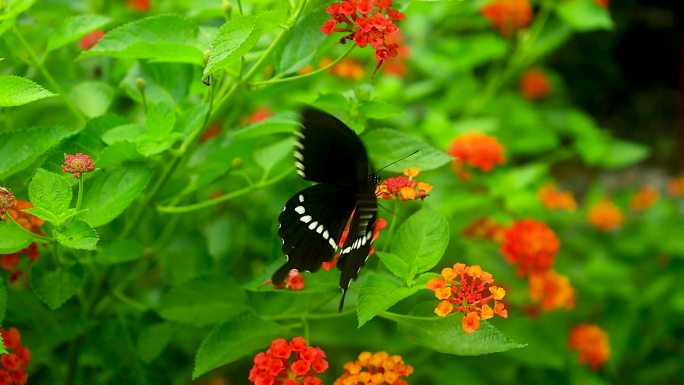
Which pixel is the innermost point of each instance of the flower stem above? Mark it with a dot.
(79, 198)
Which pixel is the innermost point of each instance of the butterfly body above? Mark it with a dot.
(332, 155)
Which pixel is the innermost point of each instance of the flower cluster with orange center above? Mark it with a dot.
(485, 228)
(77, 164)
(644, 198)
(477, 150)
(605, 215)
(403, 187)
(552, 291)
(535, 85)
(508, 16)
(366, 22)
(554, 199)
(288, 363)
(294, 280)
(380, 224)
(591, 343)
(469, 290)
(375, 369)
(530, 245)
(31, 223)
(15, 361)
(675, 187)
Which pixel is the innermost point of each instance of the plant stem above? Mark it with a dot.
(393, 222)
(79, 198)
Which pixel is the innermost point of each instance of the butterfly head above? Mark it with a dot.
(373, 179)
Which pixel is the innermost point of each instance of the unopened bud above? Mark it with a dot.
(227, 7)
(236, 163)
(140, 84)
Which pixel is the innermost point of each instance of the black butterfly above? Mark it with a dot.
(311, 224)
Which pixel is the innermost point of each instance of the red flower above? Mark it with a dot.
(535, 85)
(403, 187)
(552, 291)
(554, 199)
(644, 198)
(14, 362)
(30, 223)
(365, 22)
(6, 199)
(477, 150)
(288, 363)
(591, 343)
(531, 245)
(261, 113)
(605, 215)
(603, 3)
(379, 368)
(508, 16)
(139, 5)
(485, 228)
(294, 280)
(77, 164)
(88, 41)
(210, 132)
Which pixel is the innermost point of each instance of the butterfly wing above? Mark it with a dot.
(311, 225)
(327, 151)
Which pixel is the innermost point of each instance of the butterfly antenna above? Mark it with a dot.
(399, 160)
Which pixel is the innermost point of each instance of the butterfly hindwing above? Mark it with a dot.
(310, 226)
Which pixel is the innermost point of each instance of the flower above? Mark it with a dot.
(531, 245)
(477, 150)
(30, 223)
(485, 228)
(294, 280)
(380, 224)
(6, 199)
(675, 186)
(605, 215)
(644, 198)
(403, 187)
(347, 68)
(77, 164)
(139, 5)
(15, 361)
(375, 368)
(603, 3)
(591, 343)
(366, 22)
(469, 290)
(288, 363)
(552, 290)
(554, 199)
(508, 16)
(261, 113)
(535, 85)
(88, 41)
(211, 132)
(396, 65)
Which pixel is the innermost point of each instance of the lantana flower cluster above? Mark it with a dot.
(644, 198)
(31, 223)
(554, 199)
(77, 164)
(288, 363)
(605, 215)
(535, 84)
(508, 16)
(13, 364)
(485, 228)
(552, 291)
(477, 150)
(367, 22)
(294, 280)
(375, 369)
(675, 186)
(403, 187)
(591, 343)
(469, 290)
(531, 246)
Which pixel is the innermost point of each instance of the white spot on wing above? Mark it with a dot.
(299, 145)
(299, 155)
(299, 165)
(299, 134)
(313, 225)
(332, 243)
(319, 229)
(300, 173)
(301, 198)
(305, 218)
(326, 235)
(300, 209)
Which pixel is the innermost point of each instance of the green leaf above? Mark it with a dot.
(17, 91)
(118, 153)
(3, 348)
(304, 40)
(422, 240)
(56, 287)
(394, 264)
(110, 193)
(77, 235)
(51, 196)
(152, 340)
(271, 155)
(15, 7)
(92, 98)
(234, 39)
(446, 335)
(584, 15)
(621, 153)
(380, 292)
(386, 146)
(160, 38)
(124, 133)
(3, 301)
(73, 28)
(120, 251)
(20, 148)
(235, 339)
(203, 301)
(159, 137)
(13, 238)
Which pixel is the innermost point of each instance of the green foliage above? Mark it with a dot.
(16, 91)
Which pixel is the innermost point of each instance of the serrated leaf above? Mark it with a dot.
(55, 218)
(15, 7)
(235, 339)
(395, 264)
(584, 15)
(92, 98)
(20, 148)
(77, 235)
(110, 193)
(446, 335)
(234, 39)
(50, 195)
(17, 91)
(386, 146)
(73, 28)
(13, 238)
(422, 240)
(160, 38)
(57, 286)
(203, 301)
(120, 251)
(380, 292)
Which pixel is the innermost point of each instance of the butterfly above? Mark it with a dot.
(329, 153)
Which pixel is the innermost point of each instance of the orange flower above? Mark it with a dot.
(261, 113)
(211, 132)
(552, 290)
(605, 215)
(531, 245)
(347, 68)
(508, 16)
(396, 65)
(378, 369)
(485, 228)
(554, 199)
(307, 69)
(294, 280)
(403, 187)
(644, 198)
(139, 5)
(675, 186)
(535, 85)
(477, 150)
(591, 343)
(603, 3)
(467, 289)
(88, 41)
